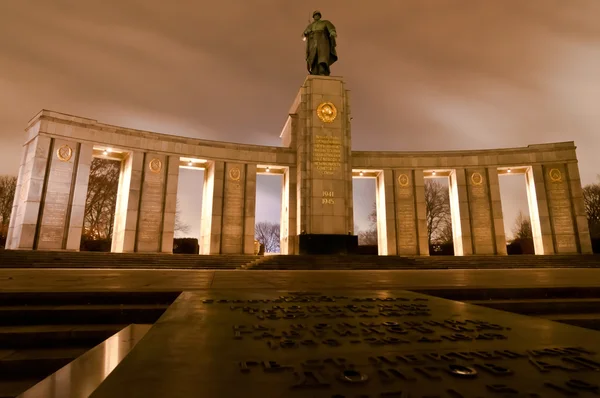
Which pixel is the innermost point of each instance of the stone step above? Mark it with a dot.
(48, 336)
(87, 298)
(80, 314)
(38, 362)
(12, 388)
(466, 294)
(588, 321)
(537, 307)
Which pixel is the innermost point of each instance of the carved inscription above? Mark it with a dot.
(481, 215)
(560, 210)
(233, 211)
(328, 198)
(327, 154)
(405, 216)
(387, 346)
(151, 208)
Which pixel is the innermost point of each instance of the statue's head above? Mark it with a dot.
(317, 15)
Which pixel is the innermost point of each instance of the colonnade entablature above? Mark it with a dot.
(317, 165)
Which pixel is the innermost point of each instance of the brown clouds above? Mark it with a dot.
(424, 74)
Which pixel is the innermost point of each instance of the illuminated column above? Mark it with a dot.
(289, 232)
(78, 197)
(128, 203)
(386, 220)
(31, 183)
(152, 203)
(538, 210)
(170, 206)
(580, 215)
(212, 208)
(405, 223)
(496, 207)
(459, 209)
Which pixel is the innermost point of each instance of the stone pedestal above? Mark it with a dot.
(324, 171)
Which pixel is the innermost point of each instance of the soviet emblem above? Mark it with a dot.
(64, 153)
(327, 112)
(555, 175)
(235, 174)
(476, 179)
(403, 180)
(155, 165)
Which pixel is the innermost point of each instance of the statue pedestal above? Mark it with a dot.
(322, 139)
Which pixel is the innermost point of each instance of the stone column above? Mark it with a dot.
(78, 197)
(29, 191)
(128, 203)
(57, 198)
(580, 215)
(538, 210)
(289, 226)
(386, 209)
(249, 209)
(170, 208)
(323, 150)
(479, 206)
(496, 207)
(560, 209)
(212, 208)
(152, 203)
(459, 209)
(410, 215)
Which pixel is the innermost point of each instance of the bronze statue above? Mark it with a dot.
(320, 45)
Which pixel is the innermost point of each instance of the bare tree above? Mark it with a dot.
(522, 227)
(369, 237)
(101, 199)
(180, 227)
(8, 185)
(267, 234)
(591, 198)
(437, 204)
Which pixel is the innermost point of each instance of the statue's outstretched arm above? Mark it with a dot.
(331, 29)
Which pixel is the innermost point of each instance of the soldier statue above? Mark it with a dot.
(320, 45)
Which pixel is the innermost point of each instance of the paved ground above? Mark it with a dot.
(78, 280)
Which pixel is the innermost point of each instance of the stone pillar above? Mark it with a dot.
(410, 215)
(386, 208)
(480, 213)
(560, 209)
(459, 209)
(152, 203)
(79, 196)
(289, 227)
(323, 150)
(580, 215)
(128, 203)
(538, 210)
(61, 183)
(29, 191)
(496, 207)
(212, 208)
(249, 209)
(170, 208)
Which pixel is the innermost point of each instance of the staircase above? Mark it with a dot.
(42, 332)
(573, 306)
(52, 259)
(368, 262)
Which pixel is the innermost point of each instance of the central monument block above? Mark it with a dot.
(320, 133)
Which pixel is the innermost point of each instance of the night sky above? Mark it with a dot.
(424, 74)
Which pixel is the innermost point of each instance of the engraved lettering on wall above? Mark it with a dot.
(327, 154)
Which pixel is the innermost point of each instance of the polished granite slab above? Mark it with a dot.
(99, 280)
(352, 343)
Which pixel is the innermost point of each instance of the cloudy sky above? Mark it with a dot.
(424, 74)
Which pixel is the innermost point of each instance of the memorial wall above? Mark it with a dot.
(317, 164)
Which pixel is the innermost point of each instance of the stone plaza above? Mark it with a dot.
(318, 165)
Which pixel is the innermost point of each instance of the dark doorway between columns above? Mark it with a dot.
(439, 212)
(101, 200)
(268, 215)
(519, 221)
(364, 189)
(188, 214)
